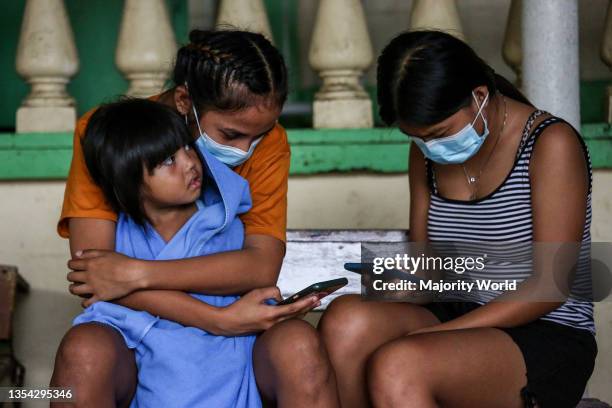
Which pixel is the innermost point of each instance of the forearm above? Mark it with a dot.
(499, 314)
(175, 306)
(234, 272)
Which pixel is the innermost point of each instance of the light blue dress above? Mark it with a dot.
(181, 366)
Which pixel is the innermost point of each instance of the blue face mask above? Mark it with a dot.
(232, 156)
(457, 148)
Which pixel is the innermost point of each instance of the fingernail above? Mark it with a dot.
(78, 253)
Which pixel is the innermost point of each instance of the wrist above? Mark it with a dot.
(142, 276)
(217, 321)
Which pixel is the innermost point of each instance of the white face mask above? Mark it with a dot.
(232, 156)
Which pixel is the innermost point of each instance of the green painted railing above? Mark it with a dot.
(47, 156)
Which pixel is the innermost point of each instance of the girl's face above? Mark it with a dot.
(176, 181)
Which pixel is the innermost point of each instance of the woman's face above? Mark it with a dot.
(240, 128)
(176, 181)
(231, 128)
(453, 123)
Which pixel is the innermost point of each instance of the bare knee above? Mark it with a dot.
(94, 361)
(295, 352)
(398, 372)
(88, 348)
(345, 322)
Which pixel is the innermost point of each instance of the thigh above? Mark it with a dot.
(460, 368)
(368, 324)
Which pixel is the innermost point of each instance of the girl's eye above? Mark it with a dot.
(169, 161)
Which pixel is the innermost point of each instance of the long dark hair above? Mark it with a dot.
(121, 140)
(426, 76)
(231, 70)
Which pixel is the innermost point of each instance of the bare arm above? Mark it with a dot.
(248, 315)
(109, 275)
(559, 185)
(172, 305)
(87, 233)
(256, 265)
(419, 195)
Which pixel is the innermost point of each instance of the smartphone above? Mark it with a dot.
(363, 268)
(321, 289)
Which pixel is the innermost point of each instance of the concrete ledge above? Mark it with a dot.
(47, 156)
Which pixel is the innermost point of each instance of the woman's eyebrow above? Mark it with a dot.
(431, 133)
(233, 133)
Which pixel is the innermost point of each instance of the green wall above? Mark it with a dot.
(95, 24)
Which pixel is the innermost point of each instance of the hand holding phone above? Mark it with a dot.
(320, 289)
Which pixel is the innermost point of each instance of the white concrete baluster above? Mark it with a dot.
(146, 47)
(513, 50)
(46, 59)
(340, 51)
(436, 15)
(551, 77)
(606, 56)
(249, 15)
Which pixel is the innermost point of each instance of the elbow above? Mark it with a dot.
(267, 273)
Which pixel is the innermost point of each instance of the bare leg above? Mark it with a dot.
(95, 363)
(292, 367)
(353, 329)
(460, 368)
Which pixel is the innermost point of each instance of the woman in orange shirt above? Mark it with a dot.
(230, 86)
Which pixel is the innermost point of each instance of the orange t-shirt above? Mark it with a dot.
(267, 172)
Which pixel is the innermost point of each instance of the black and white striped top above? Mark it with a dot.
(505, 215)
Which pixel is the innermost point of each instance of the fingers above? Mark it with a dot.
(81, 257)
(89, 253)
(77, 264)
(80, 289)
(77, 277)
(301, 306)
(271, 292)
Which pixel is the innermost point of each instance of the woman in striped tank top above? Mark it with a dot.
(485, 166)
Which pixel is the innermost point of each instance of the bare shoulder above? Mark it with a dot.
(559, 146)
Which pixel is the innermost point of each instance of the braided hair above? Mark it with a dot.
(230, 70)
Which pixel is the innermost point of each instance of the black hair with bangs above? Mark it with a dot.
(121, 140)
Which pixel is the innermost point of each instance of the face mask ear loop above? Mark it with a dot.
(197, 120)
(186, 113)
(480, 107)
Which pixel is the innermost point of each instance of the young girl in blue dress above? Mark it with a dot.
(174, 201)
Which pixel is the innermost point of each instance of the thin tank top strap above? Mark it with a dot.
(431, 176)
(528, 128)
